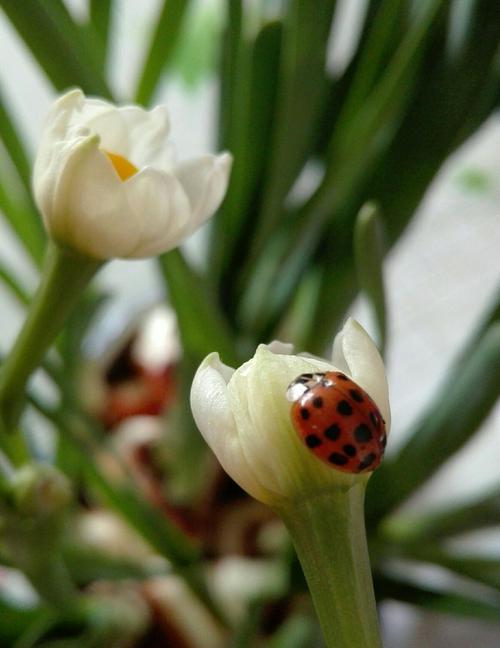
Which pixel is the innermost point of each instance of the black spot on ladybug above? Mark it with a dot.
(374, 419)
(349, 449)
(304, 413)
(317, 402)
(356, 395)
(332, 432)
(338, 459)
(367, 461)
(362, 433)
(313, 441)
(344, 408)
(341, 376)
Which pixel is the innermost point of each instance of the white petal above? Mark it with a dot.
(92, 107)
(205, 181)
(162, 209)
(136, 134)
(356, 354)
(214, 418)
(55, 129)
(62, 113)
(283, 348)
(261, 411)
(90, 210)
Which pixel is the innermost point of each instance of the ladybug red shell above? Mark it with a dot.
(337, 421)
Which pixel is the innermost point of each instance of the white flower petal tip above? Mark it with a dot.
(213, 414)
(277, 347)
(70, 99)
(128, 199)
(356, 353)
(247, 417)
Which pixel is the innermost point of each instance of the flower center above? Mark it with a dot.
(121, 165)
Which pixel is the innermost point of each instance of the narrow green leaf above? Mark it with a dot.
(201, 325)
(356, 138)
(58, 44)
(195, 57)
(482, 569)
(19, 622)
(229, 61)
(9, 280)
(252, 126)
(296, 320)
(369, 255)
(448, 103)
(302, 91)
(187, 464)
(472, 390)
(24, 222)
(383, 34)
(299, 631)
(481, 512)
(354, 147)
(164, 38)
(437, 600)
(101, 14)
(331, 305)
(75, 329)
(460, 21)
(87, 565)
(247, 631)
(14, 145)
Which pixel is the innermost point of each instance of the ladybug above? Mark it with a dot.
(338, 421)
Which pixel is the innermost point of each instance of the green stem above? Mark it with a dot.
(52, 581)
(328, 532)
(65, 276)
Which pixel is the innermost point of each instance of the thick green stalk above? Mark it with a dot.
(328, 532)
(65, 276)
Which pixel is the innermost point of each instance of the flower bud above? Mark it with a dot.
(40, 490)
(245, 416)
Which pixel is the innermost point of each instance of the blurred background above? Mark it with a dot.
(439, 279)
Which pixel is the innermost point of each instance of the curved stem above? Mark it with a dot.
(328, 532)
(65, 276)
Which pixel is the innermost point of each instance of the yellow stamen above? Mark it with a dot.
(122, 166)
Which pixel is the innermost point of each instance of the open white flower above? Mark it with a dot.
(244, 414)
(107, 185)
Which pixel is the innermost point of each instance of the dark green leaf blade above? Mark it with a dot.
(369, 255)
(478, 513)
(161, 47)
(301, 94)
(202, 327)
(25, 222)
(101, 14)
(438, 600)
(251, 126)
(10, 281)
(14, 145)
(58, 44)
